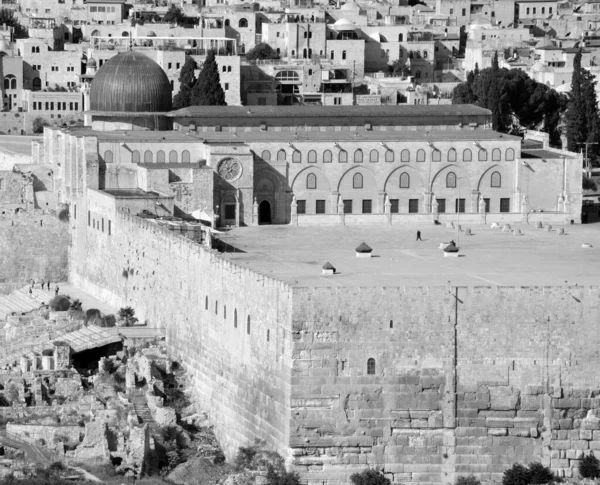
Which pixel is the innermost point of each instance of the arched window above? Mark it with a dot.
(510, 154)
(436, 156)
(358, 156)
(160, 157)
(496, 155)
(13, 83)
(374, 156)
(173, 156)
(389, 156)
(6, 82)
(135, 157)
(312, 157)
(281, 156)
(391, 323)
(343, 156)
(148, 157)
(467, 155)
(266, 156)
(248, 325)
(235, 318)
(425, 54)
(452, 155)
(37, 84)
(311, 181)
(327, 156)
(243, 23)
(108, 156)
(357, 181)
(296, 157)
(496, 180)
(482, 155)
(371, 367)
(206, 303)
(227, 23)
(451, 180)
(185, 157)
(400, 38)
(405, 156)
(404, 181)
(343, 55)
(411, 54)
(332, 55)
(421, 156)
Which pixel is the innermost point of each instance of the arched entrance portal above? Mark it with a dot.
(264, 212)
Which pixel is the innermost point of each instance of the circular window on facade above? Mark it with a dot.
(230, 169)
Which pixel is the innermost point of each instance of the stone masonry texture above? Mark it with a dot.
(426, 383)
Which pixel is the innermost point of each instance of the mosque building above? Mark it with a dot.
(298, 164)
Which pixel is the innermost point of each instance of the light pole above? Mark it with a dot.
(458, 211)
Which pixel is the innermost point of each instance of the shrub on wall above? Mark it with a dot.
(63, 215)
(38, 125)
(369, 477)
(93, 317)
(540, 474)
(470, 480)
(589, 467)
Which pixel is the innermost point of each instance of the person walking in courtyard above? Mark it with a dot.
(56, 291)
(48, 285)
(31, 292)
(42, 283)
(419, 236)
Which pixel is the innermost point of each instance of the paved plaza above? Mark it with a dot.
(489, 257)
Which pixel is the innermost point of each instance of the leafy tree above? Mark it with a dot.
(187, 79)
(520, 102)
(38, 125)
(399, 68)
(588, 183)
(174, 14)
(260, 52)
(582, 112)
(589, 467)
(207, 90)
(369, 477)
(60, 303)
(7, 17)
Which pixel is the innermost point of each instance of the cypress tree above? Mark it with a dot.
(493, 100)
(187, 79)
(582, 110)
(207, 90)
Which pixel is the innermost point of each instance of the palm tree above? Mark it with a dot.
(127, 315)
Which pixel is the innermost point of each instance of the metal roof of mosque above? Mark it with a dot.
(90, 337)
(327, 111)
(130, 82)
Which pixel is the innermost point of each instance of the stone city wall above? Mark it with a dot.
(30, 250)
(226, 324)
(524, 386)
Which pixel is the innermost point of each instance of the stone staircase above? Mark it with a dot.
(21, 302)
(140, 405)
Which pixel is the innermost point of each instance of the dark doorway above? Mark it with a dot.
(264, 212)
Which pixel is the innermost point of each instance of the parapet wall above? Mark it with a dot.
(464, 381)
(229, 326)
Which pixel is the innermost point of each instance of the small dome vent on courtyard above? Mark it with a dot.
(328, 268)
(363, 250)
(130, 82)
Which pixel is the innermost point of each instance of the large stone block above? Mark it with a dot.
(504, 398)
(566, 403)
(499, 422)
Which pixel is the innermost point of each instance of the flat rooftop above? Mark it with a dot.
(489, 257)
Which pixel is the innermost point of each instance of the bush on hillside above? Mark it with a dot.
(63, 215)
(369, 477)
(38, 125)
(93, 316)
(540, 474)
(60, 303)
(589, 467)
(517, 475)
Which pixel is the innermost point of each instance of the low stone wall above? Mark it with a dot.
(52, 437)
